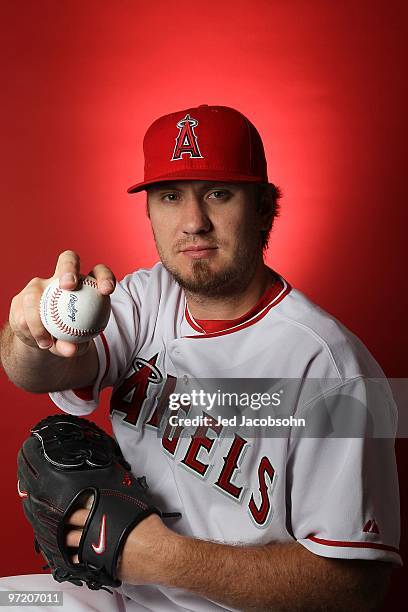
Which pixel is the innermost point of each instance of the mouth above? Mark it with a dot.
(198, 251)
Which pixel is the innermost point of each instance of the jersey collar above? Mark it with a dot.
(210, 328)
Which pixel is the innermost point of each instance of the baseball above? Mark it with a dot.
(75, 316)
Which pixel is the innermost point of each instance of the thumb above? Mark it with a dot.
(62, 348)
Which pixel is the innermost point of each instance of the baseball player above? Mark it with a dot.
(268, 521)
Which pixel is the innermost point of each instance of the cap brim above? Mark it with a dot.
(198, 175)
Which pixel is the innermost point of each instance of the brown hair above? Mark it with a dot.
(267, 197)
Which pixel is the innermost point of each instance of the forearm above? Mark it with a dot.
(246, 578)
(40, 371)
(282, 577)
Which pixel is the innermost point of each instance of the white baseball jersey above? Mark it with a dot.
(337, 496)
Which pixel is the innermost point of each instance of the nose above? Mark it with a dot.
(194, 219)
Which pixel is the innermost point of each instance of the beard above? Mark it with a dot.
(203, 281)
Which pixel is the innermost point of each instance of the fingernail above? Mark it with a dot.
(107, 285)
(45, 344)
(68, 278)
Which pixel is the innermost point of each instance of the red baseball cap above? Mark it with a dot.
(207, 143)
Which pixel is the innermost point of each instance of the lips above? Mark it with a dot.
(198, 247)
(198, 250)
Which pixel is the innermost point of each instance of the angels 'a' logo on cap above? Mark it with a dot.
(186, 141)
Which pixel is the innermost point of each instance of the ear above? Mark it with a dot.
(266, 207)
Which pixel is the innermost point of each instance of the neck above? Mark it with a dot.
(231, 307)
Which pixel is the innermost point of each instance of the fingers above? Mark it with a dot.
(73, 536)
(26, 323)
(62, 348)
(31, 301)
(67, 270)
(75, 559)
(25, 318)
(104, 277)
(78, 517)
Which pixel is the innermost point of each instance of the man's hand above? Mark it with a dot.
(276, 576)
(140, 559)
(30, 356)
(24, 317)
(64, 459)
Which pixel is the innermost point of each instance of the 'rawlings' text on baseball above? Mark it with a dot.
(72, 311)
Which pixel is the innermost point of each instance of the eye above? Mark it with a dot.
(219, 194)
(169, 197)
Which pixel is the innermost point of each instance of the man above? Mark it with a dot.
(268, 523)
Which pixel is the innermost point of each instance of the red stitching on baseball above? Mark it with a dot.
(90, 282)
(67, 329)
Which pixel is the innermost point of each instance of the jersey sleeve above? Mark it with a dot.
(342, 485)
(115, 347)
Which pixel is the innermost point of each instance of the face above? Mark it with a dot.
(207, 234)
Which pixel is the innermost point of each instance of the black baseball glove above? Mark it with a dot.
(65, 458)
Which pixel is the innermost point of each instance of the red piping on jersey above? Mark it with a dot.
(352, 544)
(279, 291)
(86, 392)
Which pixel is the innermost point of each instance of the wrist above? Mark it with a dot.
(149, 553)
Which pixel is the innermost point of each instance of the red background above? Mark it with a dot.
(322, 81)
